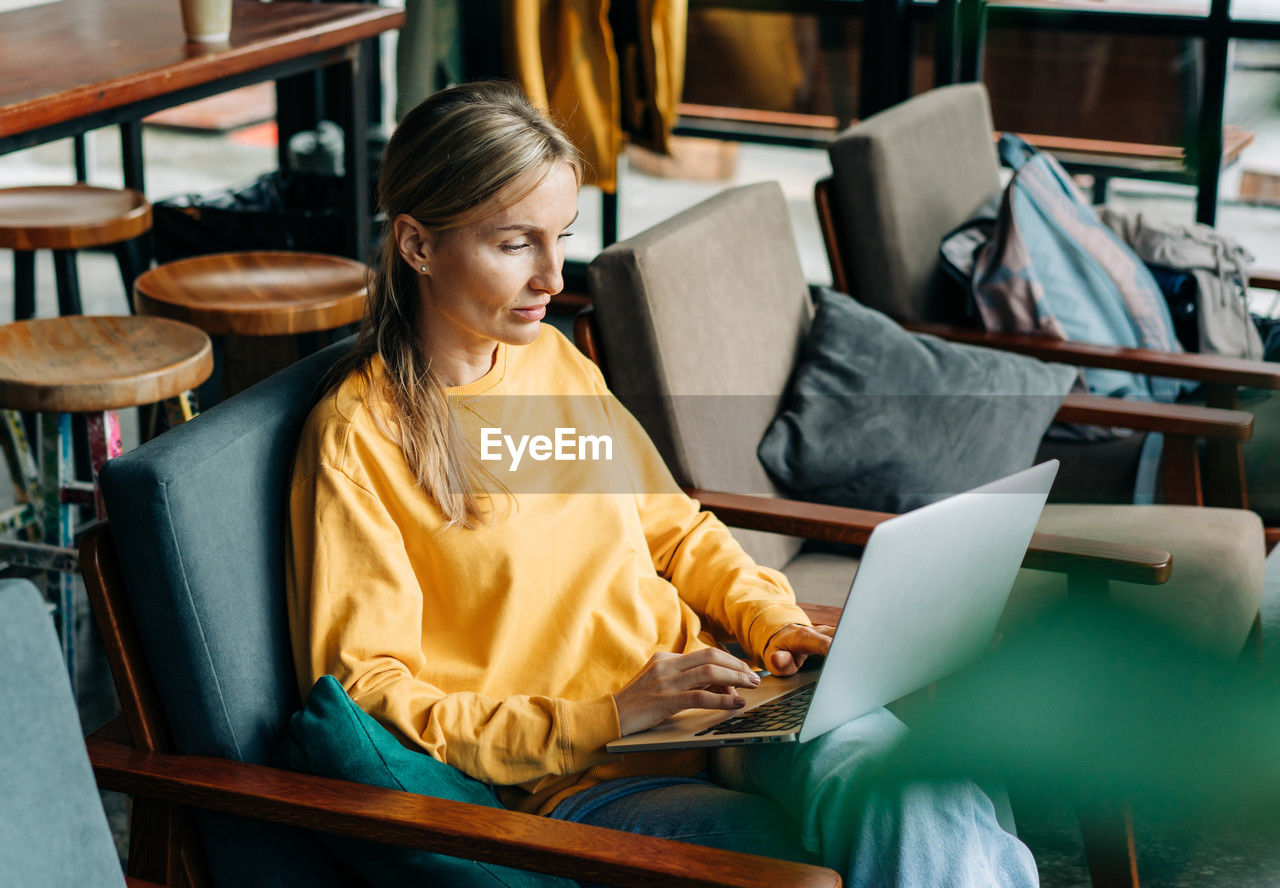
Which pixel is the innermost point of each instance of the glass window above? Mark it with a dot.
(1256, 10)
(1249, 199)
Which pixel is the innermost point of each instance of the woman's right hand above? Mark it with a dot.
(668, 683)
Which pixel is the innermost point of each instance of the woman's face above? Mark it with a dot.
(490, 281)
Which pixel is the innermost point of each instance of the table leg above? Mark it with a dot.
(131, 155)
(297, 108)
(354, 118)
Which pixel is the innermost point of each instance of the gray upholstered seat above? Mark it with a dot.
(903, 179)
(53, 831)
(701, 318)
(198, 519)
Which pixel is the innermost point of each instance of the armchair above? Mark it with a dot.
(697, 323)
(186, 582)
(904, 178)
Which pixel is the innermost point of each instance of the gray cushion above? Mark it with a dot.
(53, 832)
(198, 520)
(1218, 565)
(879, 418)
(903, 179)
(700, 319)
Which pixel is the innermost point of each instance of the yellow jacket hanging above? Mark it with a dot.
(602, 68)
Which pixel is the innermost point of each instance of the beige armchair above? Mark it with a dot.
(906, 177)
(697, 324)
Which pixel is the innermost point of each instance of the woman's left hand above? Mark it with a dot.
(791, 645)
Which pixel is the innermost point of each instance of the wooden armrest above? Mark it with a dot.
(838, 524)
(1146, 416)
(814, 521)
(1265, 280)
(1200, 368)
(456, 829)
(821, 613)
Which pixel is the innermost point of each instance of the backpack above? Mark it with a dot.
(1051, 267)
(1216, 263)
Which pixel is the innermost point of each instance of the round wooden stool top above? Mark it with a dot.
(88, 363)
(70, 217)
(255, 293)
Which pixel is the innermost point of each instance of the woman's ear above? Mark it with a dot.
(413, 241)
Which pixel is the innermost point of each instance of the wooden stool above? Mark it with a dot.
(92, 365)
(66, 218)
(258, 295)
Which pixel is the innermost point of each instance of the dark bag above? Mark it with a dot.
(277, 211)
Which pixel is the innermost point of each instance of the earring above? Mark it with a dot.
(422, 268)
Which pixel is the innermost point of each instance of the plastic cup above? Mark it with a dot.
(206, 21)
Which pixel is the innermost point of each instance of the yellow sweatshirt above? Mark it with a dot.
(498, 649)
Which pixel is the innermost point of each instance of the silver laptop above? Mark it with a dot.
(925, 602)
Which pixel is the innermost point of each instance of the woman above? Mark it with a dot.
(511, 620)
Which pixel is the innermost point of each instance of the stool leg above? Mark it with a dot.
(81, 149)
(59, 525)
(129, 256)
(25, 476)
(24, 285)
(210, 391)
(24, 303)
(182, 408)
(68, 280)
(104, 444)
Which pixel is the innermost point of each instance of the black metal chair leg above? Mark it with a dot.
(68, 280)
(24, 285)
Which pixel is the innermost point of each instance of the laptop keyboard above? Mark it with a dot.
(783, 714)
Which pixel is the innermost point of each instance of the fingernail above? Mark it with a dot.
(738, 702)
(755, 679)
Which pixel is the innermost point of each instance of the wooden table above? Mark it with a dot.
(77, 65)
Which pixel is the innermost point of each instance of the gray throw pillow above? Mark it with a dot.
(879, 418)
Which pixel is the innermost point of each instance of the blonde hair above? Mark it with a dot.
(452, 161)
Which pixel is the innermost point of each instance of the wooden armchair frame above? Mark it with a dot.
(1222, 481)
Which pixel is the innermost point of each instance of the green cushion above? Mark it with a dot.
(333, 737)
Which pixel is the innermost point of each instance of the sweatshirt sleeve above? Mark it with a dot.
(694, 550)
(356, 612)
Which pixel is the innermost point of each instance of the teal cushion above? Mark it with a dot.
(333, 737)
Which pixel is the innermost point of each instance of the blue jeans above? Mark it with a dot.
(816, 802)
